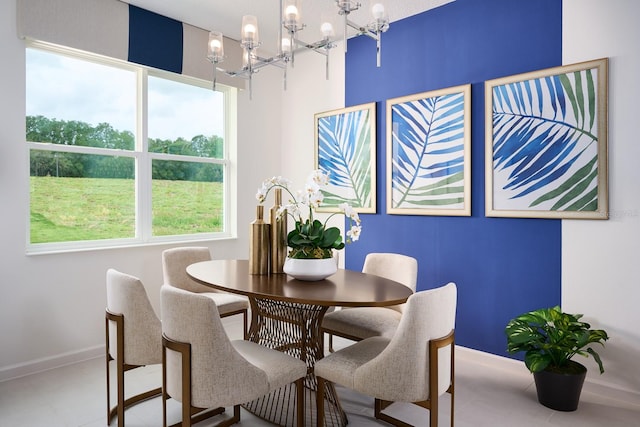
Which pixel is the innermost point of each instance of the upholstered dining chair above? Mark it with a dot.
(358, 323)
(415, 366)
(174, 265)
(206, 371)
(135, 341)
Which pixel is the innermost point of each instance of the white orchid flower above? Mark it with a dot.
(318, 177)
(316, 198)
(282, 211)
(354, 232)
(261, 194)
(303, 203)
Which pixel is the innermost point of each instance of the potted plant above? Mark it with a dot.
(310, 238)
(550, 338)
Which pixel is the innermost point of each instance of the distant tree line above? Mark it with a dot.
(72, 132)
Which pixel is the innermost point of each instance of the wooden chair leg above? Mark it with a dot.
(120, 385)
(165, 396)
(244, 324)
(433, 412)
(120, 367)
(380, 405)
(452, 387)
(320, 402)
(108, 359)
(236, 413)
(234, 420)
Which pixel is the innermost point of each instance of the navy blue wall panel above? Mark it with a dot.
(155, 40)
(502, 266)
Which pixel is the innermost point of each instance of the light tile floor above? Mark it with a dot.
(487, 395)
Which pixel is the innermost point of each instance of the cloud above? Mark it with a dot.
(66, 88)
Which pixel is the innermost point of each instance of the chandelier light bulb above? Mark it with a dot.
(378, 11)
(291, 13)
(216, 46)
(250, 31)
(326, 29)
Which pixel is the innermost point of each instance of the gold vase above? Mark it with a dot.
(278, 234)
(259, 242)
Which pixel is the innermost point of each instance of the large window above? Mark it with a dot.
(120, 154)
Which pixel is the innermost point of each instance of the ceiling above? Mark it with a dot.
(226, 15)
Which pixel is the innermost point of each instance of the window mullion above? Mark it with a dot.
(143, 170)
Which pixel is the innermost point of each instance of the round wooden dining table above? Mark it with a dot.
(286, 314)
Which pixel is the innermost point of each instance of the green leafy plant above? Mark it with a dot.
(311, 238)
(550, 338)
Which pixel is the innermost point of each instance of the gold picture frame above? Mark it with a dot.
(429, 153)
(345, 148)
(546, 143)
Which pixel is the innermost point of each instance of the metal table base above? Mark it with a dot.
(293, 328)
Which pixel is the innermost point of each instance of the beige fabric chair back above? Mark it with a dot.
(400, 371)
(220, 375)
(143, 332)
(174, 265)
(398, 267)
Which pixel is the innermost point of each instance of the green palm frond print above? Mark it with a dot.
(545, 142)
(344, 153)
(428, 146)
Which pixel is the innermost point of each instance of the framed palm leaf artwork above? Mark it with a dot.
(546, 143)
(429, 153)
(346, 151)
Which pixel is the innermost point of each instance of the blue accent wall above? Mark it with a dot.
(155, 40)
(502, 266)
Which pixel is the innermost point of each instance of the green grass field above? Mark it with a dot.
(72, 209)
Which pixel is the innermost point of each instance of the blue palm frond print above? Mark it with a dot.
(545, 142)
(344, 153)
(428, 136)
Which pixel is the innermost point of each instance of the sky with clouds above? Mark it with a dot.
(64, 88)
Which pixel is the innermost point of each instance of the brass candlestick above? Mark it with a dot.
(259, 243)
(278, 234)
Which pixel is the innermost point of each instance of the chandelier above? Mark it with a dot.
(290, 43)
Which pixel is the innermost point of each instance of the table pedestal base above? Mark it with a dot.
(292, 328)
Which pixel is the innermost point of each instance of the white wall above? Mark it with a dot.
(600, 259)
(309, 92)
(52, 306)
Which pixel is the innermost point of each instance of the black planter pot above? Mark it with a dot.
(561, 391)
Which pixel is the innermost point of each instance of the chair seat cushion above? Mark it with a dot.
(227, 303)
(362, 322)
(340, 367)
(280, 368)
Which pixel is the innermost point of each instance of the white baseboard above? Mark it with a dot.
(39, 365)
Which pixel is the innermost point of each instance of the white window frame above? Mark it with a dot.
(143, 160)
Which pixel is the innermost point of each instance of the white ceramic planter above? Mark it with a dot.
(310, 269)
